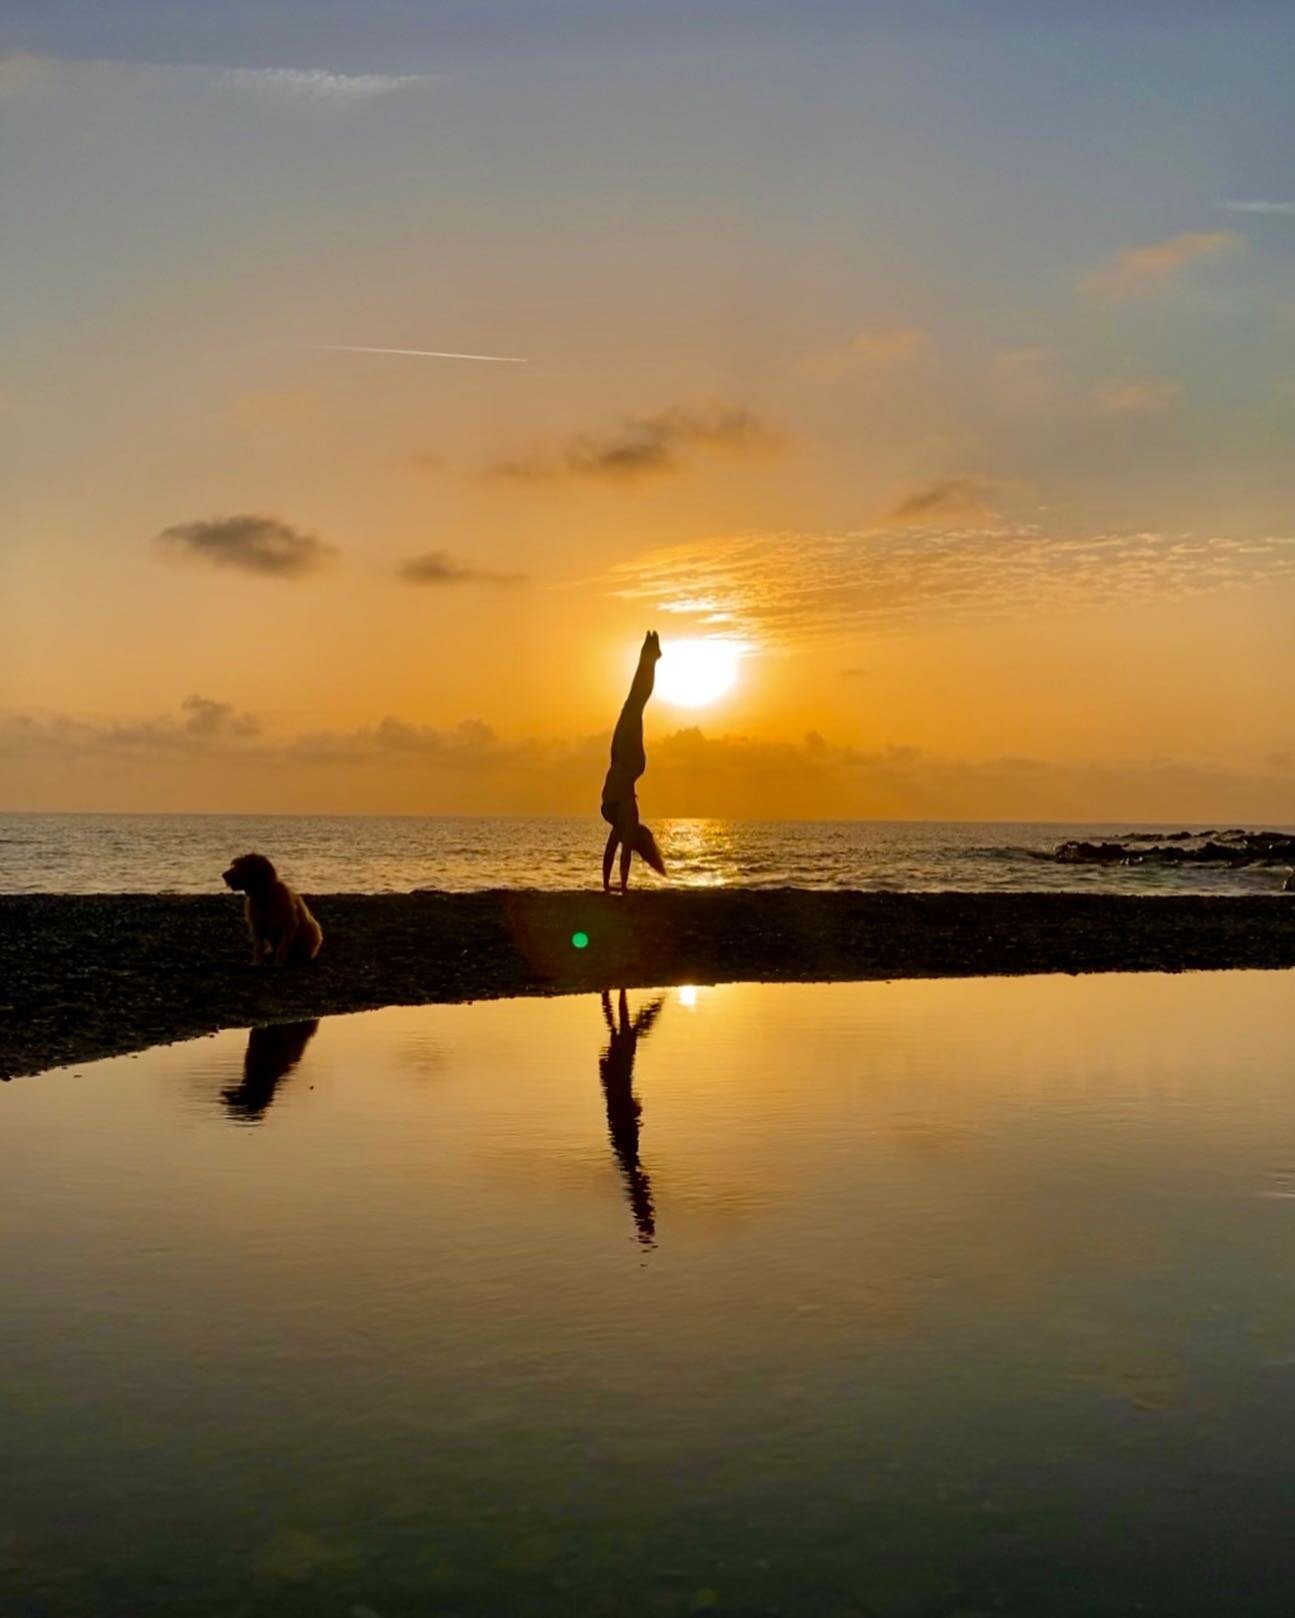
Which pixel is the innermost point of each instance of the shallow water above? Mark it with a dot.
(395, 853)
(916, 1298)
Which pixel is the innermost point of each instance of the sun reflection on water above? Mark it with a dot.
(700, 853)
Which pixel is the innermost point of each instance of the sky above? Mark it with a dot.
(937, 360)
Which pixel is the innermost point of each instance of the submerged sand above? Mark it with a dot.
(87, 976)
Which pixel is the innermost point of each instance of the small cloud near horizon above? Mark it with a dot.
(695, 772)
(204, 716)
(641, 447)
(250, 543)
(439, 568)
(203, 725)
(1137, 271)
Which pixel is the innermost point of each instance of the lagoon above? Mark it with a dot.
(927, 1297)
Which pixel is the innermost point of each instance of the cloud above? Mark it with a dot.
(791, 588)
(205, 717)
(468, 767)
(202, 725)
(951, 497)
(648, 446)
(251, 543)
(1258, 205)
(23, 73)
(439, 568)
(204, 728)
(471, 744)
(877, 348)
(1136, 398)
(322, 88)
(1141, 270)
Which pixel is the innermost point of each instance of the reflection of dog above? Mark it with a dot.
(272, 1053)
(283, 930)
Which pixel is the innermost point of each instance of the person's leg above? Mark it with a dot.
(627, 738)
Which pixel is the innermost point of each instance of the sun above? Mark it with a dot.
(693, 673)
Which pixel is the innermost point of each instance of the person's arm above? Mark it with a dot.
(609, 854)
(627, 854)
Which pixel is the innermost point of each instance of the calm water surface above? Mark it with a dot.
(918, 1298)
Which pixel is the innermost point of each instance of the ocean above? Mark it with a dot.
(395, 854)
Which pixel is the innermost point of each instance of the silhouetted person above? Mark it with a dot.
(271, 1055)
(620, 806)
(616, 1069)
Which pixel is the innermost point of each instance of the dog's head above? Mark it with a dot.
(251, 873)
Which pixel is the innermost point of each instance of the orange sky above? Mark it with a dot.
(973, 427)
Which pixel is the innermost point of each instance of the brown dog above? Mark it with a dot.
(283, 931)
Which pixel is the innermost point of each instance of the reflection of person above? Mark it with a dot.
(620, 807)
(616, 1069)
(271, 1055)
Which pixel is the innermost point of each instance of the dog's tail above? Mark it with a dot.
(646, 849)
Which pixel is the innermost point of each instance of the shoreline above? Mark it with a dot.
(91, 976)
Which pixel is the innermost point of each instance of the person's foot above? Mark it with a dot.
(652, 644)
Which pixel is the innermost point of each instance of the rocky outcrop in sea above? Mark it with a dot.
(1232, 847)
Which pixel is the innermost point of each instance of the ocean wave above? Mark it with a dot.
(1009, 853)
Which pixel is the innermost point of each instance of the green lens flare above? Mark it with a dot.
(580, 940)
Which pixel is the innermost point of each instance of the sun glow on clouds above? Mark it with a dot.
(695, 673)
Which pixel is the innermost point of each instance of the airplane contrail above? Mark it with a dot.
(419, 353)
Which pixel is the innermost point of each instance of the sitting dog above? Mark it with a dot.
(283, 930)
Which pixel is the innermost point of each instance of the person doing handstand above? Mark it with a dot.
(620, 806)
